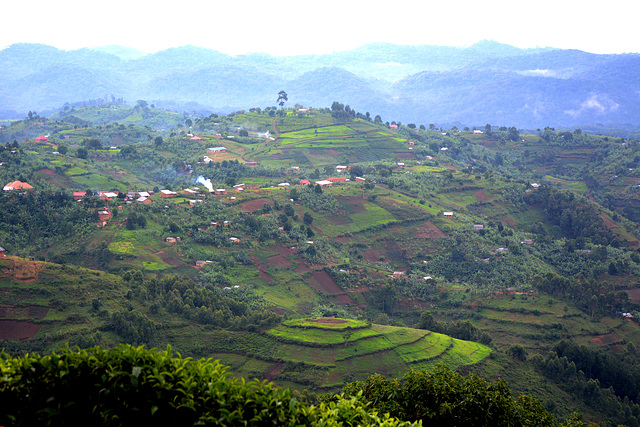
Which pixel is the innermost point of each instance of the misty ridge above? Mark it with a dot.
(487, 82)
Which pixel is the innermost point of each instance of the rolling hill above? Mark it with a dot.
(483, 83)
(486, 251)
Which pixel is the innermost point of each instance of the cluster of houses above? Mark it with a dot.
(137, 196)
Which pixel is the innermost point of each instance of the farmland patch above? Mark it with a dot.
(255, 205)
(17, 330)
(279, 261)
(321, 281)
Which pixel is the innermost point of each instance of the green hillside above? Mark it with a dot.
(433, 246)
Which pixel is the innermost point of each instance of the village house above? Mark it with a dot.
(171, 240)
(411, 143)
(324, 183)
(190, 191)
(196, 138)
(393, 126)
(477, 132)
(400, 165)
(167, 193)
(341, 168)
(535, 186)
(17, 185)
(200, 263)
(217, 150)
(448, 214)
(251, 164)
(360, 179)
(337, 179)
(234, 239)
(477, 227)
(107, 195)
(284, 184)
(220, 191)
(144, 200)
(305, 182)
(2, 252)
(295, 168)
(104, 215)
(41, 139)
(78, 195)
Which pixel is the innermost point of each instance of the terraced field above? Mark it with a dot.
(336, 350)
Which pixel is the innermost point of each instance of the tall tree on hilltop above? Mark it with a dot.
(282, 98)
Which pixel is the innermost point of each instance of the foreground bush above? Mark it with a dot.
(443, 397)
(136, 386)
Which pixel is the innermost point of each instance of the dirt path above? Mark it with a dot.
(273, 371)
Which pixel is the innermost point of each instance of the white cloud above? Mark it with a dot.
(595, 104)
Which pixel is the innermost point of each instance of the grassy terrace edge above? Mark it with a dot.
(326, 323)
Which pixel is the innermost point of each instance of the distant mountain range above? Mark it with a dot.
(487, 82)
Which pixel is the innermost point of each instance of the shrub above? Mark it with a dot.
(136, 386)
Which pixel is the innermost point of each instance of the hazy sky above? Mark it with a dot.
(291, 27)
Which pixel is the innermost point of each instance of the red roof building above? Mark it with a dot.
(17, 185)
(337, 179)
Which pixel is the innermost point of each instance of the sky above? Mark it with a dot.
(294, 27)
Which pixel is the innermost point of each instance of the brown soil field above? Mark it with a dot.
(407, 156)
(508, 220)
(605, 339)
(169, 259)
(279, 261)
(608, 222)
(24, 312)
(47, 172)
(255, 205)
(282, 250)
(302, 268)
(17, 330)
(265, 276)
(332, 152)
(273, 371)
(634, 295)
(429, 231)
(482, 196)
(321, 281)
(343, 239)
(371, 255)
